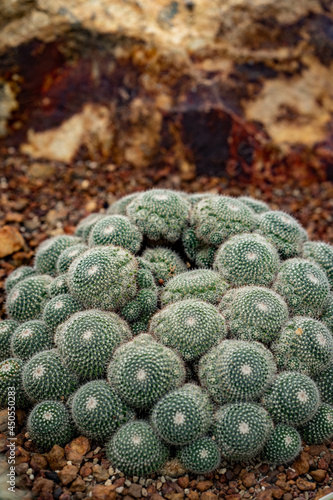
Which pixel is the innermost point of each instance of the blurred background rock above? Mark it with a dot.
(206, 87)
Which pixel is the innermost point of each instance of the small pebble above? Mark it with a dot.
(120, 489)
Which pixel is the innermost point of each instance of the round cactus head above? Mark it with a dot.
(68, 255)
(164, 263)
(48, 424)
(258, 206)
(27, 299)
(85, 226)
(217, 218)
(160, 214)
(182, 415)
(29, 338)
(283, 231)
(247, 259)
(322, 254)
(142, 371)
(88, 339)
(202, 284)
(119, 207)
(7, 328)
(324, 381)
(293, 398)
(304, 286)
(305, 345)
(282, 446)
(320, 427)
(136, 450)
(236, 370)
(45, 377)
(190, 326)
(241, 430)
(58, 286)
(98, 411)
(201, 456)
(254, 313)
(18, 275)
(116, 230)
(104, 277)
(58, 309)
(11, 383)
(48, 253)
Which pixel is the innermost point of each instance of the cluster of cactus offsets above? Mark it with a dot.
(182, 415)
(88, 339)
(322, 253)
(98, 411)
(304, 286)
(11, 383)
(283, 231)
(68, 256)
(254, 313)
(163, 263)
(48, 253)
(177, 330)
(190, 326)
(305, 345)
(18, 275)
(29, 338)
(282, 446)
(7, 328)
(50, 423)
(143, 370)
(236, 370)
(160, 214)
(116, 230)
(247, 259)
(27, 299)
(203, 284)
(292, 399)
(241, 430)
(45, 377)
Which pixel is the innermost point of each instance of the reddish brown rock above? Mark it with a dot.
(175, 496)
(248, 479)
(322, 464)
(86, 469)
(11, 240)
(41, 484)
(21, 455)
(101, 492)
(305, 485)
(208, 495)
(3, 443)
(157, 496)
(78, 485)
(135, 490)
(38, 462)
(318, 475)
(301, 465)
(183, 481)
(68, 474)
(277, 492)
(316, 449)
(56, 458)
(204, 485)
(100, 474)
(76, 449)
(193, 495)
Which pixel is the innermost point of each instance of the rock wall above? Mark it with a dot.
(241, 87)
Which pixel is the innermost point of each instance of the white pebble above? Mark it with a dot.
(142, 481)
(98, 449)
(29, 471)
(144, 492)
(120, 489)
(107, 482)
(31, 477)
(159, 485)
(162, 478)
(111, 471)
(135, 479)
(128, 483)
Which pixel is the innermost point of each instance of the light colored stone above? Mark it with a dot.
(11, 241)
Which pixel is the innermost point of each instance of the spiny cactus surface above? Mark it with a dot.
(176, 330)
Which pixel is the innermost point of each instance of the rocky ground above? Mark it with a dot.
(43, 199)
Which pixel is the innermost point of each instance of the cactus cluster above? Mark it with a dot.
(175, 329)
